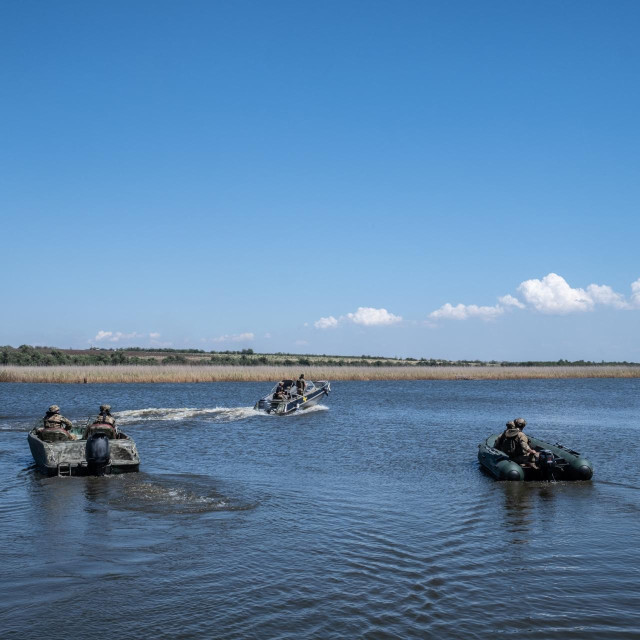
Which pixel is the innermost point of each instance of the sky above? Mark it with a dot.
(441, 179)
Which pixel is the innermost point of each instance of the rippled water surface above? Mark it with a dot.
(366, 517)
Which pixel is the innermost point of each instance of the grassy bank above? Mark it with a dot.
(185, 373)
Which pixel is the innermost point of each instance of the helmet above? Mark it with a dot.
(521, 423)
(510, 425)
(301, 376)
(54, 408)
(105, 407)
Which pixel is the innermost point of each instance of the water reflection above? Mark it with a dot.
(524, 503)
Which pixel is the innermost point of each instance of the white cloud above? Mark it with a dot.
(464, 311)
(604, 294)
(635, 293)
(369, 317)
(154, 335)
(326, 323)
(553, 294)
(510, 301)
(366, 316)
(238, 337)
(115, 336)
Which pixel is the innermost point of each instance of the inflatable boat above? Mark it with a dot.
(556, 462)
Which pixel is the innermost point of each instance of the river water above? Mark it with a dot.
(365, 517)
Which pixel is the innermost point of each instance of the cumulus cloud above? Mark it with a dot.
(370, 317)
(551, 295)
(635, 293)
(237, 337)
(326, 323)
(510, 301)
(365, 316)
(116, 336)
(464, 311)
(604, 294)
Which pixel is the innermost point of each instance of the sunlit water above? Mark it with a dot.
(367, 517)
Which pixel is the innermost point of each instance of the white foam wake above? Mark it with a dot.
(217, 414)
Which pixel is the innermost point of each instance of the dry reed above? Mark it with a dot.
(217, 373)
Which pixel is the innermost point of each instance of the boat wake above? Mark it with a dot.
(173, 494)
(216, 414)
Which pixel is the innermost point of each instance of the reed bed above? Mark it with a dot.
(266, 373)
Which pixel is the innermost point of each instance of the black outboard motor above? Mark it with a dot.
(97, 454)
(547, 464)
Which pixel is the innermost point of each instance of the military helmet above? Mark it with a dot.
(54, 408)
(105, 407)
(510, 425)
(521, 423)
(301, 376)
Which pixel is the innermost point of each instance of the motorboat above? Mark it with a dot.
(555, 462)
(288, 399)
(94, 449)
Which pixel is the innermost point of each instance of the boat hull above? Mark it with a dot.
(570, 464)
(68, 457)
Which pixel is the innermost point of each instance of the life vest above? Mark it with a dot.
(511, 446)
(105, 418)
(52, 421)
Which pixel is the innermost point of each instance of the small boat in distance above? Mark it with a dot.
(290, 400)
(96, 449)
(556, 462)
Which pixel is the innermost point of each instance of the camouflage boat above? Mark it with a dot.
(96, 449)
(291, 400)
(556, 462)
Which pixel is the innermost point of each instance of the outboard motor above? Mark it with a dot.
(547, 463)
(97, 454)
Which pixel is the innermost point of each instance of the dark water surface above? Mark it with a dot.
(367, 517)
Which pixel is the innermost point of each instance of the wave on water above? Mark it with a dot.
(216, 414)
(175, 495)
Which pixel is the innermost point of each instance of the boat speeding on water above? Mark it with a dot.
(95, 449)
(287, 396)
(555, 462)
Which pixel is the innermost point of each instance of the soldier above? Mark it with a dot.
(279, 392)
(515, 444)
(53, 419)
(105, 417)
(301, 384)
(501, 438)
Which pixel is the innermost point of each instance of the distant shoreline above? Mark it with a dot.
(267, 373)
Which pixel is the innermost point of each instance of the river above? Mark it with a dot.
(365, 517)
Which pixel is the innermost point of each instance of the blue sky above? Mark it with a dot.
(427, 179)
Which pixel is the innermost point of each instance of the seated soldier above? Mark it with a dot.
(53, 419)
(278, 394)
(515, 444)
(105, 417)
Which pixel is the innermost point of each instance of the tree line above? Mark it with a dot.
(26, 355)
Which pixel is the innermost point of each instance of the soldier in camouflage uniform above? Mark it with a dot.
(53, 419)
(515, 444)
(105, 417)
